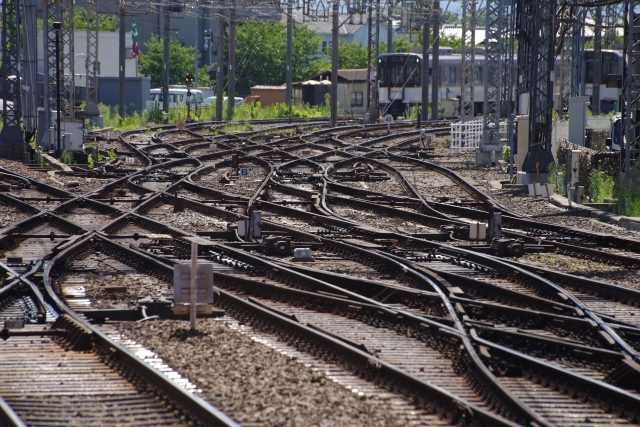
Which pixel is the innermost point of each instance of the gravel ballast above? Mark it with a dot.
(254, 384)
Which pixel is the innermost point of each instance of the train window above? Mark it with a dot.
(383, 72)
(609, 65)
(395, 74)
(324, 46)
(412, 71)
(356, 99)
(477, 75)
(450, 75)
(617, 133)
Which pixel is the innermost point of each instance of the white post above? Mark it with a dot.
(569, 195)
(194, 285)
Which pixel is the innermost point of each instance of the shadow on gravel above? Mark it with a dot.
(184, 334)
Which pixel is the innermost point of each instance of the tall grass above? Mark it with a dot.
(142, 119)
(279, 111)
(556, 176)
(629, 198)
(601, 186)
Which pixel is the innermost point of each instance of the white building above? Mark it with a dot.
(108, 56)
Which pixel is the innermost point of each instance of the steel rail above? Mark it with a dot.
(195, 405)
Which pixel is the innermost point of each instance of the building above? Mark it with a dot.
(270, 94)
(136, 87)
(188, 24)
(352, 90)
(354, 31)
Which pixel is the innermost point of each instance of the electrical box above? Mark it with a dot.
(75, 129)
(573, 166)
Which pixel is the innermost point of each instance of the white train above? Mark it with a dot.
(400, 80)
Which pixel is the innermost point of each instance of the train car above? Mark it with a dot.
(400, 80)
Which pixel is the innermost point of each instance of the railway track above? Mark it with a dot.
(395, 299)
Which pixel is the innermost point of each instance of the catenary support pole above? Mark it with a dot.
(165, 56)
(58, 28)
(435, 66)
(334, 66)
(390, 28)
(195, 75)
(219, 65)
(232, 60)
(426, 30)
(597, 62)
(121, 60)
(289, 56)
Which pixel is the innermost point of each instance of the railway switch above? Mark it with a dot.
(276, 245)
(508, 248)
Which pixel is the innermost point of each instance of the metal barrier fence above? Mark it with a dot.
(466, 137)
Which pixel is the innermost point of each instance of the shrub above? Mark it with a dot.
(506, 154)
(67, 158)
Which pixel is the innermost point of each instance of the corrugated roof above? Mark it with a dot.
(355, 75)
(259, 87)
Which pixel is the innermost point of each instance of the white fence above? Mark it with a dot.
(466, 137)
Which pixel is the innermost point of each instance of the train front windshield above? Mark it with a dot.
(399, 71)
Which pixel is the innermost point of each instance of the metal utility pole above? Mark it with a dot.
(426, 30)
(91, 60)
(390, 28)
(290, 56)
(232, 61)
(29, 72)
(541, 98)
(510, 84)
(197, 46)
(121, 59)
(611, 18)
(597, 62)
(577, 55)
(58, 28)
(165, 57)
(566, 64)
(219, 65)
(524, 24)
(492, 76)
(51, 10)
(372, 58)
(630, 88)
(468, 60)
(68, 59)
(11, 107)
(435, 66)
(334, 65)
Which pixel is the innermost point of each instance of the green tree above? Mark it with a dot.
(107, 22)
(351, 56)
(261, 50)
(181, 60)
(450, 41)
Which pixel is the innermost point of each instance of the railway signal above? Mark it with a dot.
(189, 80)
